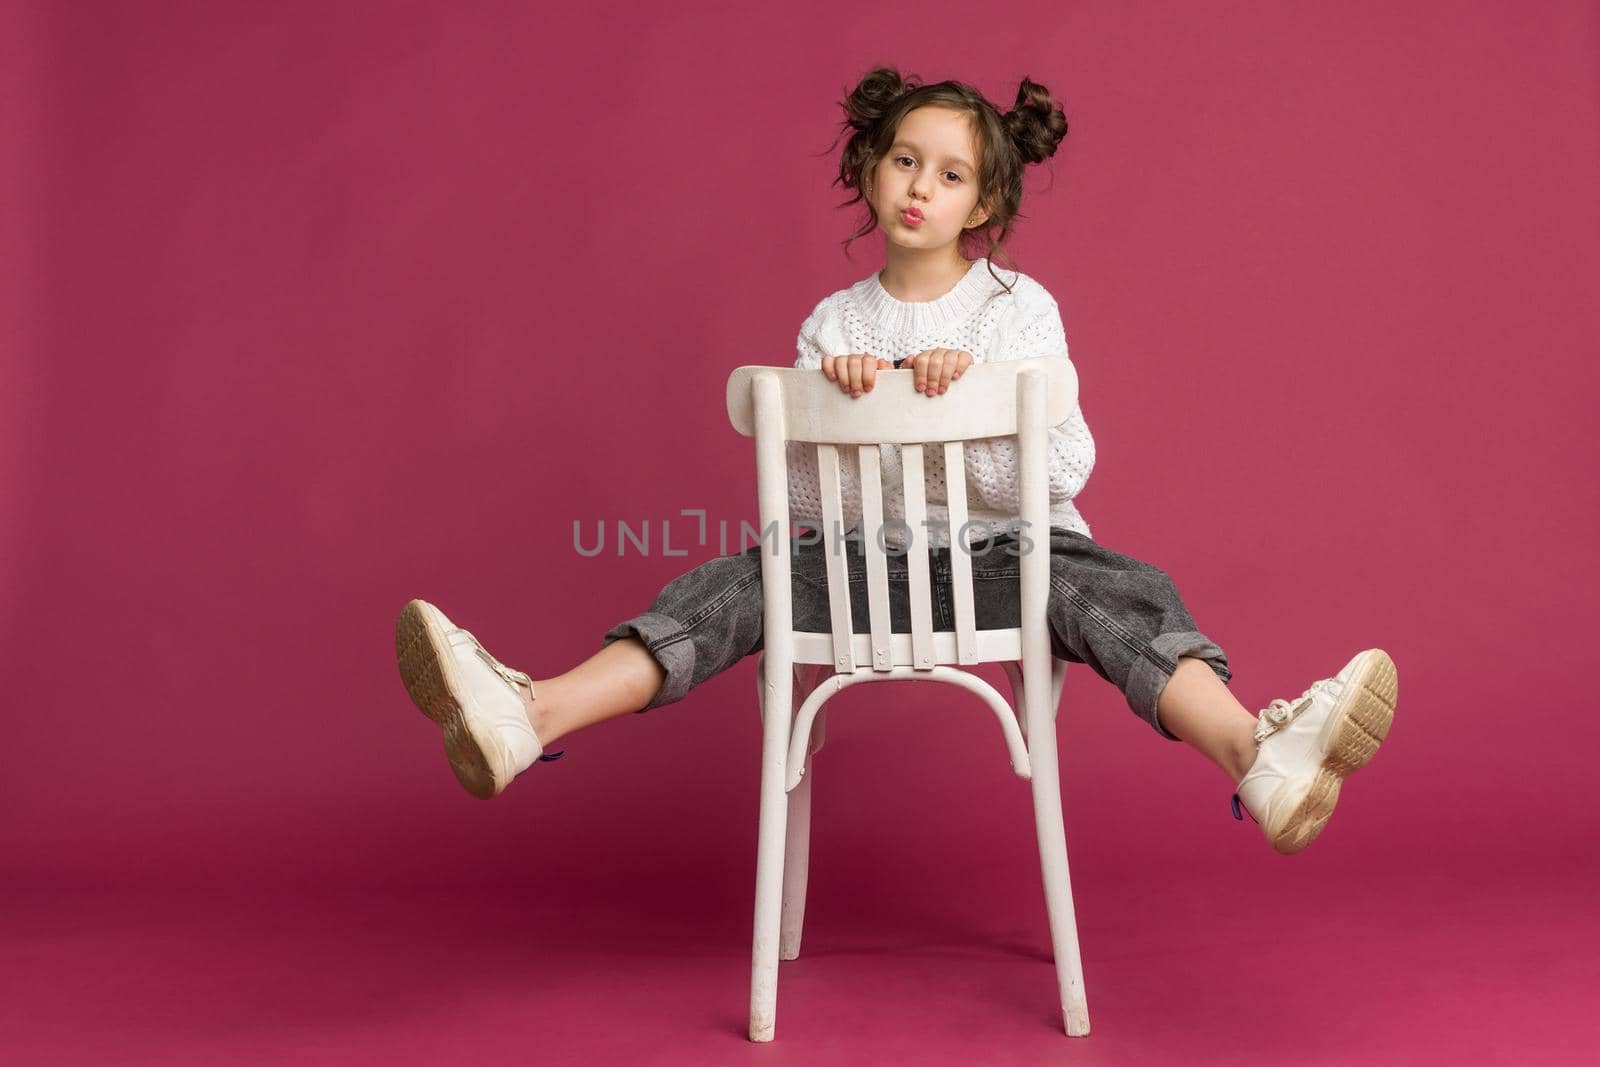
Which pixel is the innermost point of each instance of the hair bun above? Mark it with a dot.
(871, 99)
(1035, 122)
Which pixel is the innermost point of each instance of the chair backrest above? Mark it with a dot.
(778, 405)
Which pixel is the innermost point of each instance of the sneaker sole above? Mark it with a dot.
(1355, 728)
(427, 669)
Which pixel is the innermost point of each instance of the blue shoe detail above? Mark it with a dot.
(547, 757)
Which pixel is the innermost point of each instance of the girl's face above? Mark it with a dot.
(931, 167)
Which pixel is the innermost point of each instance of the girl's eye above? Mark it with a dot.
(908, 159)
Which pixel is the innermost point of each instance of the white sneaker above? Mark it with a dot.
(478, 700)
(1309, 745)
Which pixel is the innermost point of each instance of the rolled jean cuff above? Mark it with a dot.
(669, 643)
(1150, 674)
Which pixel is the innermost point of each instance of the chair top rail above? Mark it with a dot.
(983, 404)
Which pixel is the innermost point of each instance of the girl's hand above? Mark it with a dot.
(936, 368)
(856, 374)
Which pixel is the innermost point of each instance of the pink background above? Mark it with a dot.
(310, 309)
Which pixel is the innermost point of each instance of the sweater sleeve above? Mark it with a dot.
(1033, 329)
(820, 335)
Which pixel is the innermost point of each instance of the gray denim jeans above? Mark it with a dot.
(1120, 616)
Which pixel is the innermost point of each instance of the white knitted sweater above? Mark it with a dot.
(977, 316)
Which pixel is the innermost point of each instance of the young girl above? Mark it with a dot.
(939, 168)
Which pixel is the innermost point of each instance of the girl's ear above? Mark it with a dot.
(979, 216)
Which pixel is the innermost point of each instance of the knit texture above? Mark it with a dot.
(977, 316)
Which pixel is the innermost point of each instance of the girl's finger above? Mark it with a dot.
(936, 365)
(869, 374)
(920, 382)
(855, 375)
(841, 373)
(827, 369)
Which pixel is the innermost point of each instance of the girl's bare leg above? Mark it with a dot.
(619, 679)
(1197, 707)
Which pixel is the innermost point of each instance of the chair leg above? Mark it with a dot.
(797, 850)
(1051, 830)
(1058, 678)
(1013, 671)
(777, 713)
(796, 864)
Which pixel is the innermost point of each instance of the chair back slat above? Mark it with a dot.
(838, 573)
(960, 560)
(872, 550)
(914, 493)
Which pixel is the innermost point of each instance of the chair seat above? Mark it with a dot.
(990, 646)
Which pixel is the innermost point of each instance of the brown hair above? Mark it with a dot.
(1028, 133)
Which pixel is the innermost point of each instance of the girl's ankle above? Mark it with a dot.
(545, 725)
(1242, 758)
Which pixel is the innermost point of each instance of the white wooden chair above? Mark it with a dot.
(777, 405)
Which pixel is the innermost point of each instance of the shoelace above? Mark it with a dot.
(512, 676)
(1279, 712)
(1274, 717)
